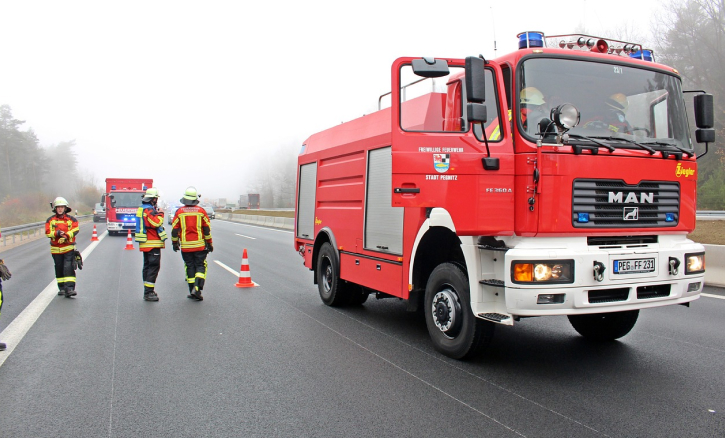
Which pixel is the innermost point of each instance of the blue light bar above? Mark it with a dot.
(530, 39)
(642, 54)
(113, 187)
(669, 217)
(583, 218)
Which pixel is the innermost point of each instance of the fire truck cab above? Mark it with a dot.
(556, 180)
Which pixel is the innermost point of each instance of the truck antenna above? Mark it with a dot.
(493, 22)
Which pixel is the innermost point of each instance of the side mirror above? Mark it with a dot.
(113, 201)
(475, 79)
(704, 112)
(103, 201)
(705, 135)
(430, 67)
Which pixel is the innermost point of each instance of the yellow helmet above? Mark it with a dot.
(57, 202)
(151, 193)
(618, 101)
(532, 96)
(191, 197)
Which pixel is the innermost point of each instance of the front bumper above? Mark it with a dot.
(121, 226)
(615, 292)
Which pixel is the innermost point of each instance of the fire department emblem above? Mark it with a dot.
(441, 162)
(631, 213)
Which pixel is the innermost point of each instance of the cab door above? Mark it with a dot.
(439, 158)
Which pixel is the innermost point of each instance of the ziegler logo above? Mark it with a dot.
(681, 171)
(618, 198)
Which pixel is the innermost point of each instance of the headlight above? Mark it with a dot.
(550, 271)
(694, 263)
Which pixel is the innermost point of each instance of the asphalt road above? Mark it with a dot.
(273, 361)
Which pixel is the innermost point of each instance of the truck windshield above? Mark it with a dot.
(621, 104)
(126, 199)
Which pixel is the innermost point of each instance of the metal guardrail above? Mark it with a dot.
(28, 230)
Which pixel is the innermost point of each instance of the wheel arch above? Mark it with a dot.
(436, 243)
(325, 235)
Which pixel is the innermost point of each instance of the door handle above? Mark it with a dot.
(406, 190)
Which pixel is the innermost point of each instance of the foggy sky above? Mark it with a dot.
(204, 93)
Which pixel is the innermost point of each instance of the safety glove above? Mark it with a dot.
(209, 247)
(175, 246)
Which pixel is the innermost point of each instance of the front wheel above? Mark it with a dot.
(604, 326)
(453, 328)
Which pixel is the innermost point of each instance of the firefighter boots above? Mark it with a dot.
(151, 296)
(70, 293)
(3, 346)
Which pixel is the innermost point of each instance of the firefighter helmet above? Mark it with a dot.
(191, 197)
(532, 96)
(58, 202)
(618, 101)
(151, 193)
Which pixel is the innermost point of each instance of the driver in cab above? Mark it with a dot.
(614, 116)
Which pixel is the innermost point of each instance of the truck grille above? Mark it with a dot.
(598, 203)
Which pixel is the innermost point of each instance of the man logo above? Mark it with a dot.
(644, 198)
(631, 213)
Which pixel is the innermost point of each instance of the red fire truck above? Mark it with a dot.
(121, 199)
(559, 179)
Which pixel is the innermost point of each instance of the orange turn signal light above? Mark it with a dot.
(523, 272)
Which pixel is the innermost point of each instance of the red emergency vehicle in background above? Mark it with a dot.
(122, 198)
(559, 179)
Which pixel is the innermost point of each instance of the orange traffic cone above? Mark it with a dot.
(245, 277)
(129, 242)
(94, 237)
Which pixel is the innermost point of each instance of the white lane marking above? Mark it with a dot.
(719, 297)
(235, 273)
(248, 237)
(255, 226)
(16, 330)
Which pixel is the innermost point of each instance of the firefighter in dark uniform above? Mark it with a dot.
(150, 236)
(62, 229)
(4, 276)
(191, 232)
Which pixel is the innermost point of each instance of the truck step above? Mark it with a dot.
(492, 282)
(495, 317)
(494, 248)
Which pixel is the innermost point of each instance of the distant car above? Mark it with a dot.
(209, 212)
(170, 212)
(99, 213)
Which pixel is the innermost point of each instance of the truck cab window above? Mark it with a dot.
(437, 104)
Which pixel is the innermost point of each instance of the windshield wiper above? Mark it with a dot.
(672, 145)
(626, 140)
(578, 148)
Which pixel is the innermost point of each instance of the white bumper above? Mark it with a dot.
(616, 292)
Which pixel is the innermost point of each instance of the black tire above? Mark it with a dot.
(329, 284)
(356, 294)
(604, 326)
(453, 328)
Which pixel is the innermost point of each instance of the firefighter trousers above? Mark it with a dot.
(151, 266)
(65, 275)
(195, 269)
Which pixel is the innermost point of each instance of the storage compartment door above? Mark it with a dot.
(383, 223)
(306, 201)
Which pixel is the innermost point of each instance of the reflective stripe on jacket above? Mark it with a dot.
(191, 228)
(65, 223)
(149, 228)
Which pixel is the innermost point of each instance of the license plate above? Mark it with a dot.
(634, 266)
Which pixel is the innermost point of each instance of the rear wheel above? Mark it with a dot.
(328, 277)
(356, 294)
(604, 326)
(453, 328)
